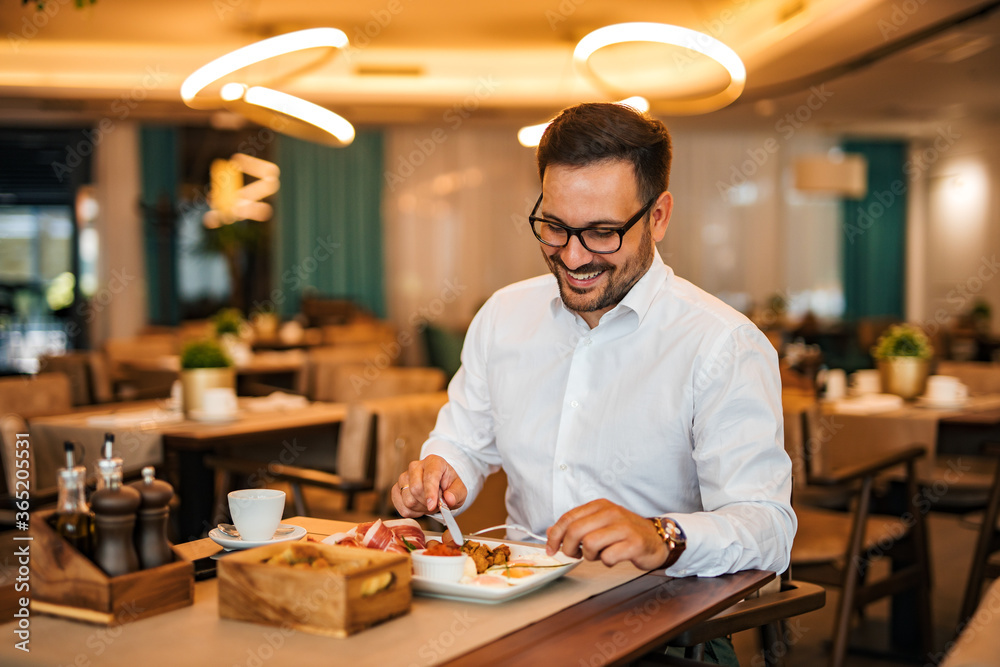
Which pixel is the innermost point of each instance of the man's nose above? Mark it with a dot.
(573, 254)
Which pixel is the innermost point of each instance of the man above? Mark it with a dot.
(637, 417)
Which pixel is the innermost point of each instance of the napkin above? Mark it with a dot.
(868, 404)
(275, 402)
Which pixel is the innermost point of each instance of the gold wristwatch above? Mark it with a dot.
(672, 535)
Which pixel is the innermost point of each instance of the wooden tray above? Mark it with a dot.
(64, 582)
(362, 587)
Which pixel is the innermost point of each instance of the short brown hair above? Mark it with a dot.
(596, 132)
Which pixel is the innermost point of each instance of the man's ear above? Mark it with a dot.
(659, 216)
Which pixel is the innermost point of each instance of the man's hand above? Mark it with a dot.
(605, 531)
(417, 491)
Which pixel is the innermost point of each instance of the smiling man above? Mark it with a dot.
(637, 417)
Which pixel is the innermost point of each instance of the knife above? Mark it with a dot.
(449, 521)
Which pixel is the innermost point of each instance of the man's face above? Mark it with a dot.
(603, 194)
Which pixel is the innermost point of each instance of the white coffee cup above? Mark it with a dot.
(256, 512)
(866, 381)
(219, 401)
(836, 384)
(945, 388)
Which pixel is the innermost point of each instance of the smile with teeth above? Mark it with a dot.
(590, 275)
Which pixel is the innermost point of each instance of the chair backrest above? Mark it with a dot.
(346, 383)
(10, 426)
(120, 350)
(360, 331)
(320, 361)
(801, 420)
(381, 436)
(36, 396)
(979, 376)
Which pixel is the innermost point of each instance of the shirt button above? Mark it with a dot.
(587, 341)
(575, 404)
(563, 466)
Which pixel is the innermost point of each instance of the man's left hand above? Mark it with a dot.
(601, 530)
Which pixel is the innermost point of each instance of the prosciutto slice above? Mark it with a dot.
(383, 535)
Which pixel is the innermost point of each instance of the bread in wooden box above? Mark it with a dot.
(351, 588)
(66, 583)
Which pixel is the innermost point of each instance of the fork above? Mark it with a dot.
(510, 526)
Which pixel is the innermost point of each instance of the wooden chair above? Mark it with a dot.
(87, 372)
(836, 548)
(985, 558)
(36, 396)
(345, 383)
(358, 332)
(764, 611)
(378, 439)
(319, 360)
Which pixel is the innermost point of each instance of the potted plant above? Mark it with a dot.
(903, 354)
(980, 315)
(204, 365)
(232, 330)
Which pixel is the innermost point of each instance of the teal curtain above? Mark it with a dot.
(159, 148)
(874, 234)
(329, 223)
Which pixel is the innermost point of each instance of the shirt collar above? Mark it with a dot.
(638, 299)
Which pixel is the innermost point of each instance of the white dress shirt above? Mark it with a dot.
(671, 406)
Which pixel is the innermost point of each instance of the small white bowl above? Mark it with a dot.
(438, 568)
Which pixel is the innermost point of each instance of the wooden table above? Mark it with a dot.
(594, 615)
(189, 442)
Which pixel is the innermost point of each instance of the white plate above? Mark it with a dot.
(473, 593)
(942, 403)
(235, 543)
(213, 417)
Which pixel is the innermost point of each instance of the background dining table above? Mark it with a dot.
(593, 615)
(150, 433)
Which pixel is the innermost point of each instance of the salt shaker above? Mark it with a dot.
(151, 526)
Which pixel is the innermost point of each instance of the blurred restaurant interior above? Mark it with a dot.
(843, 188)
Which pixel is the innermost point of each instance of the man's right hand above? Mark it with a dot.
(417, 491)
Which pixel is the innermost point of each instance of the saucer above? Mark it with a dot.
(952, 403)
(235, 543)
(213, 417)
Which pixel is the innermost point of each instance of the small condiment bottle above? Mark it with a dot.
(151, 526)
(73, 518)
(108, 464)
(115, 508)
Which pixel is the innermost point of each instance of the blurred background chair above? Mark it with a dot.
(131, 384)
(88, 375)
(839, 548)
(344, 383)
(319, 361)
(378, 439)
(986, 556)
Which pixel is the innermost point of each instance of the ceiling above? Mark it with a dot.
(898, 66)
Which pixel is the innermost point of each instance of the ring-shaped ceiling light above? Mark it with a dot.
(288, 114)
(674, 36)
(252, 54)
(281, 112)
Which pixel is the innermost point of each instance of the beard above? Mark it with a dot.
(618, 279)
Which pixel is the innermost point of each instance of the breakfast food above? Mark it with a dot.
(307, 557)
(484, 557)
(395, 536)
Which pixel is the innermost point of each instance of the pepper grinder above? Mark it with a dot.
(114, 508)
(151, 528)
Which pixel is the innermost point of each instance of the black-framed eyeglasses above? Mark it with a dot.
(598, 240)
